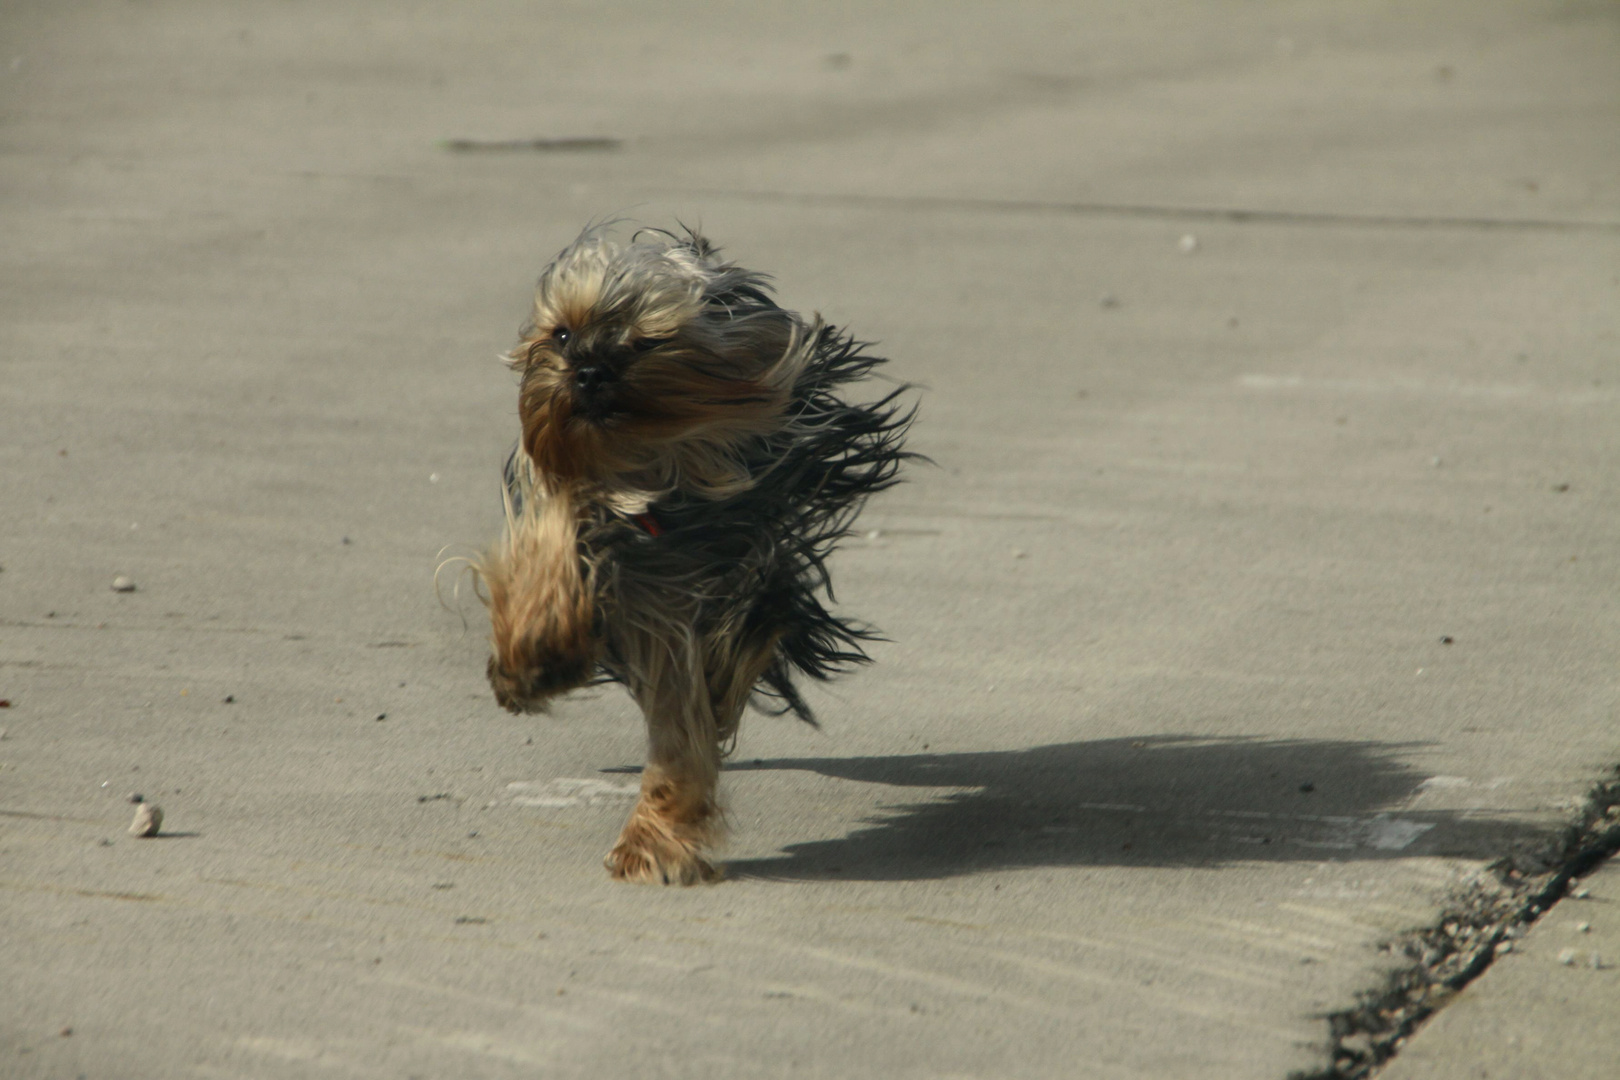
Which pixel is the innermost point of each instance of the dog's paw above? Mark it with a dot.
(643, 855)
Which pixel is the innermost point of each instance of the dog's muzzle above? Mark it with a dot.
(594, 390)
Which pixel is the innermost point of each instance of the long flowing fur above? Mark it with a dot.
(686, 465)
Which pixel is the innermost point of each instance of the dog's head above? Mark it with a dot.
(648, 365)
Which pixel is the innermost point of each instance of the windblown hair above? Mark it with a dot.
(686, 465)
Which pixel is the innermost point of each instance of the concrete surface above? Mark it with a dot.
(1545, 1011)
(1170, 736)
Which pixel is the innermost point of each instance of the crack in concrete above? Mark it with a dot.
(1229, 214)
(1478, 924)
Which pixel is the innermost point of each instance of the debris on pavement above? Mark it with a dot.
(148, 820)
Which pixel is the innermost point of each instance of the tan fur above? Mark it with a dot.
(541, 606)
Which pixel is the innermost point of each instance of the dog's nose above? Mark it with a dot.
(592, 377)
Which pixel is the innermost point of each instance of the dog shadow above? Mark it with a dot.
(1158, 801)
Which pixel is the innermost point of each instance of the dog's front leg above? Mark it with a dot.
(542, 609)
(678, 817)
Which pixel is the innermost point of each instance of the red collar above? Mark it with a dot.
(649, 523)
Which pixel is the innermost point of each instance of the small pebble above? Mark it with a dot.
(122, 584)
(1504, 947)
(1596, 961)
(1358, 1043)
(1583, 928)
(382, 716)
(230, 699)
(148, 820)
(1566, 957)
(1188, 244)
(1580, 893)
(135, 797)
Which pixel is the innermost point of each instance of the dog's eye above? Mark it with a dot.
(561, 335)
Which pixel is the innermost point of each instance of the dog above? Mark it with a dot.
(687, 462)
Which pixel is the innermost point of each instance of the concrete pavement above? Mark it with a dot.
(1261, 597)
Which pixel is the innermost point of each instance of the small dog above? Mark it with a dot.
(686, 466)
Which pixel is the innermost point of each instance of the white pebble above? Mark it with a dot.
(1188, 244)
(433, 478)
(1566, 957)
(1581, 893)
(148, 820)
(123, 584)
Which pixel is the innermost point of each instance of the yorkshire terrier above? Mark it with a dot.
(686, 466)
